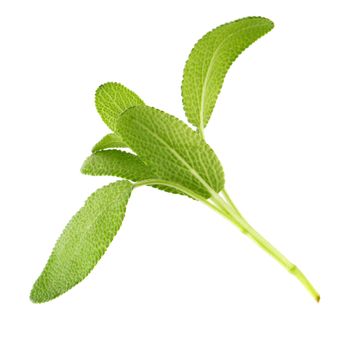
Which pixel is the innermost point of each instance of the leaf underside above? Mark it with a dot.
(209, 61)
(112, 99)
(83, 241)
(109, 141)
(171, 149)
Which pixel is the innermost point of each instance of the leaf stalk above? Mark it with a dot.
(237, 219)
(226, 208)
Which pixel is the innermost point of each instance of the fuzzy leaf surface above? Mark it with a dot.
(209, 61)
(109, 141)
(116, 163)
(120, 164)
(171, 149)
(112, 99)
(83, 241)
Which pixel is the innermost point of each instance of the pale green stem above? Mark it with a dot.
(157, 182)
(248, 230)
(201, 132)
(229, 200)
(228, 210)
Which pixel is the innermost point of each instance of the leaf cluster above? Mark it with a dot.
(147, 146)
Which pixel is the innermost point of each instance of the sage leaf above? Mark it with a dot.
(109, 141)
(112, 99)
(209, 62)
(121, 164)
(171, 149)
(83, 241)
(116, 163)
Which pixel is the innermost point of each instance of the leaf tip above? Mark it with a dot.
(36, 297)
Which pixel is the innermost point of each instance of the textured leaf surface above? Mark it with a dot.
(116, 163)
(112, 99)
(121, 164)
(83, 241)
(209, 62)
(172, 149)
(109, 141)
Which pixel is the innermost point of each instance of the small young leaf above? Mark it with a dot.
(209, 62)
(83, 241)
(121, 164)
(116, 163)
(109, 141)
(172, 149)
(112, 99)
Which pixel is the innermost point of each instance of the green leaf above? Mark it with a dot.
(112, 99)
(120, 164)
(83, 241)
(109, 141)
(116, 163)
(209, 62)
(172, 149)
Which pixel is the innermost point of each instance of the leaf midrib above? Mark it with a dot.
(201, 116)
(179, 157)
(113, 100)
(104, 208)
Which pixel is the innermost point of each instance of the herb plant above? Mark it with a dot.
(167, 154)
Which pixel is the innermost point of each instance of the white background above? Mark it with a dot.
(177, 275)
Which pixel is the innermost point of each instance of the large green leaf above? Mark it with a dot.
(109, 141)
(116, 163)
(209, 62)
(172, 149)
(83, 241)
(112, 99)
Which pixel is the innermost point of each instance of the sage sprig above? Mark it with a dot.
(148, 147)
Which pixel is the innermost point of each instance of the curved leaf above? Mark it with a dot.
(112, 99)
(121, 164)
(172, 149)
(116, 163)
(209, 62)
(109, 141)
(83, 241)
